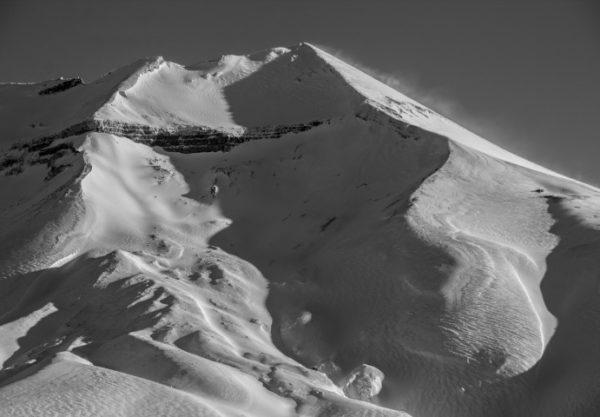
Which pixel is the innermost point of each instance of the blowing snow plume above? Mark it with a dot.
(442, 103)
(279, 234)
(406, 82)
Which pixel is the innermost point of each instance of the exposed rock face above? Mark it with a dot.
(63, 85)
(56, 157)
(184, 139)
(364, 383)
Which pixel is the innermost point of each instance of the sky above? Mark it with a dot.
(524, 74)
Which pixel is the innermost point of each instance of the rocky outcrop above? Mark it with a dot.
(184, 139)
(181, 138)
(61, 86)
(54, 157)
(195, 139)
(369, 113)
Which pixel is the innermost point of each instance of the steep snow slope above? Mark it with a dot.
(37, 109)
(263, 89)
(335, 249)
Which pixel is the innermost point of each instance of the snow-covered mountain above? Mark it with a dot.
(280, 234)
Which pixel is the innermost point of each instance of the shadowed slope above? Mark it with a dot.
(566, 378)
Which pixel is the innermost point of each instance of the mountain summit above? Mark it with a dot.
(280, 234)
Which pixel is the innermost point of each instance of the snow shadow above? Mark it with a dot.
(74, 307)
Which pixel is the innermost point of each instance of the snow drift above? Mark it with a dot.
(280, 234)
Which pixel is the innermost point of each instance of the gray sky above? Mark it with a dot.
(524, 74)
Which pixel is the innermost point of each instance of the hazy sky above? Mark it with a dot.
(524, 74)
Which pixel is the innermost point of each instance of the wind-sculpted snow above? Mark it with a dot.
(162, 255)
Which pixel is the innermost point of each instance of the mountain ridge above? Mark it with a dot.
(279, 234)
(400, 107)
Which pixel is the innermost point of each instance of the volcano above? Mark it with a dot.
(280, 234)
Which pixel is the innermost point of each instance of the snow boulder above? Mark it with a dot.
(363, 383)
